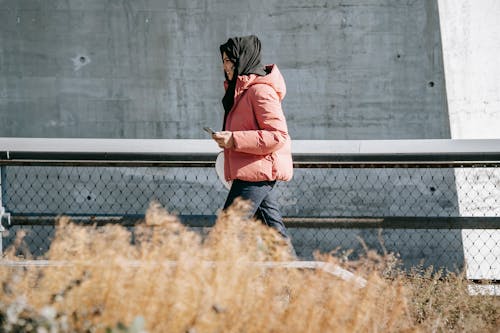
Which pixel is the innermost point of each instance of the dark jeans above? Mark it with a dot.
(265, 203)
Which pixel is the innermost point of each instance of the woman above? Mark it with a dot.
(254, 134)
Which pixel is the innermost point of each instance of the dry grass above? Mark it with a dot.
(442, 303)
(178, 282)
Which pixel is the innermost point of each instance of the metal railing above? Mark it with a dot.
(435, 202)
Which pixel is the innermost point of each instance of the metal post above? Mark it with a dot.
(2, 208)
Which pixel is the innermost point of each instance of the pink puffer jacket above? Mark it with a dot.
(262, 146)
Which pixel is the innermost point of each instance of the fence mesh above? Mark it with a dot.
(319, 192)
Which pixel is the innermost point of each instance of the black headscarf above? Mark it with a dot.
(244, 52)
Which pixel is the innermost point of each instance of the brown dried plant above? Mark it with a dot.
(179, 281)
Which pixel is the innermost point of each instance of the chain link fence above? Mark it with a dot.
(430, 215)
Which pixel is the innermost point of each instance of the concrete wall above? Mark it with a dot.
(355, 69)
(471, 49)
(470, 31)
(151, 69)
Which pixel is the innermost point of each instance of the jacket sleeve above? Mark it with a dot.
(272, 133)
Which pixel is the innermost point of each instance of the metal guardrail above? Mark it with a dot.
(405, 187)
(26, 151)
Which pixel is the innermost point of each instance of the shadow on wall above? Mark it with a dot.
(366, 71)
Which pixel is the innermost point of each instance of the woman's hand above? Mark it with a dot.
(224, 139)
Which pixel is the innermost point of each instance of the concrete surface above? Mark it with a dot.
(470, 31)
(151, 69)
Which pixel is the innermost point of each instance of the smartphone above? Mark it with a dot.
(209, 130)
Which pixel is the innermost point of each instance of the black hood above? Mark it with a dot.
(244, 52)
